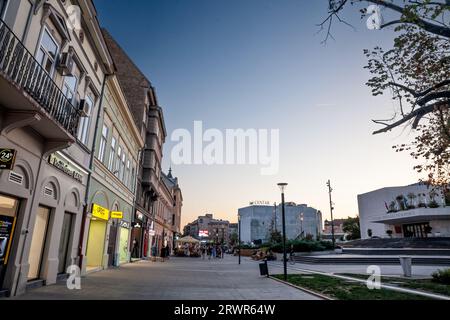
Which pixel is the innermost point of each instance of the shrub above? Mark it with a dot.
(303, 246)
(441, 276)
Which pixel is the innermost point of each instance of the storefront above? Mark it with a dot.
(124, 254)
(137, 235)
(8, 216)
(96, 239)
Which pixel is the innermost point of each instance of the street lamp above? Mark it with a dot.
(301, 225)
(282, 189)
(239, 231)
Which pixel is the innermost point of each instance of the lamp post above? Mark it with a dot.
(239, 232)
(301, 225)
(282, 189)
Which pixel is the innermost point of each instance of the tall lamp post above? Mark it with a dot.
(282, 189)
(301, 225)
(239, 232)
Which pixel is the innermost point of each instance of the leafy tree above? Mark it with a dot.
(416, 73)
(351, 227)
(275, 237)
(234, 238)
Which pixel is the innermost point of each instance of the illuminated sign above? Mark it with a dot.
(100, 212)
(116, 215)
(259, 203)
(203, 233)
(7, 158)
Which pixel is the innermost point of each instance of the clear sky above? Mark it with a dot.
(261, 64)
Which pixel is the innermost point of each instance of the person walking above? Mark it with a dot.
(214, 252)
(203, 252)
(163, 253)
(209, 251)
(135, 249)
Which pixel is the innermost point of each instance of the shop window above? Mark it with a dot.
(8, 215)
(48, 51)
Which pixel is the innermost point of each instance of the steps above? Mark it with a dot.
(367, 260)
(398, 251)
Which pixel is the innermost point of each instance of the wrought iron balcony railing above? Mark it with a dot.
(20, 66)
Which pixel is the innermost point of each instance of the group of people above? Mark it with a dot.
(212, 251)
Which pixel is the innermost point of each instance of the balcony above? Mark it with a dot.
(29, 96)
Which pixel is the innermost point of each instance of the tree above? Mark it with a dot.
(351, 227)
(234, 238)
(416, 73)
(275, 237)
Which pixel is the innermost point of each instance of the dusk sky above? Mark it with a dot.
(261, 64)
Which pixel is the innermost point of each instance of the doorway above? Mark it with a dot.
(416, 230)
(38, 242)
(8, 216)
(64, 245)
(112, 243)
(96, 244)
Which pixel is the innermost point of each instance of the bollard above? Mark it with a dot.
(406, 263)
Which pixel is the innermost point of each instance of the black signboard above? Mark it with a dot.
(7, 158)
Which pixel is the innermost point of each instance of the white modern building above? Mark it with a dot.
(417, 210)
(258, 221)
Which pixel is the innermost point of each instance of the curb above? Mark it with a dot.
(303, 289)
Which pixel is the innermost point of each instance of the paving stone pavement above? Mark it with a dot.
(176, 279)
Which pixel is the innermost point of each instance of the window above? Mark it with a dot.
(127, 173)
(3, 5)
(48, 51)
(112, 154)
(103, 141)
(83, 130)
(133, 177)
(118, 162)
(70, 87)
(122, 167)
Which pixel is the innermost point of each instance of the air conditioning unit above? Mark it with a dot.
(66, 64)
(84, 108)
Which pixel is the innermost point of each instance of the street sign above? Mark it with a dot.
(7, 158)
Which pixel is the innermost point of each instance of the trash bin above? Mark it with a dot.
(263, 268)
(406, 263)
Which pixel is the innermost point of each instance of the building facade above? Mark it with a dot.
(113, 182)
(209, 229)
(258, 221)
(51, 76)
(417, 210)
(158, 200)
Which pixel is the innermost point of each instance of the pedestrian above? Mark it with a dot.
(214, 252)
(163, 253)
(135, 249)
(209, 251)
(203, 252)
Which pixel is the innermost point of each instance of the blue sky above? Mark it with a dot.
(261, 64)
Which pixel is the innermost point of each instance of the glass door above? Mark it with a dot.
(8, 215)
(38, 242)
(63, 253)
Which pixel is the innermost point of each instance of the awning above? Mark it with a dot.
(188, 239)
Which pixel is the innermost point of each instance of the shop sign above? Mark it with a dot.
(100, 212)
(65, 166)
(116, 215)
(151, 233)
(139, 215)
(125, 224)
(7, 158)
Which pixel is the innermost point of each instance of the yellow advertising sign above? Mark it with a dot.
(116, 215)
(100, 212)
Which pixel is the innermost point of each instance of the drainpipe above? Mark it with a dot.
(88, 182)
